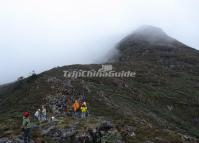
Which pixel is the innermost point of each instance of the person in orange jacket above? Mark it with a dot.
(76, 107)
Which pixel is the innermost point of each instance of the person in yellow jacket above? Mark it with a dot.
(83, 110)
(76, 107)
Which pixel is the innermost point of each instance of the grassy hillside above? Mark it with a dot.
(161, 103)
(153, 99)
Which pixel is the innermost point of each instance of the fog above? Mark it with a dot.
(42, 34)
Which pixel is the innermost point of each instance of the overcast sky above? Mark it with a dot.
(41, 34)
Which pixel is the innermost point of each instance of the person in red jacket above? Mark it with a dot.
(26, 126)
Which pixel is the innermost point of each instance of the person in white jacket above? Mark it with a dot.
(38, 115)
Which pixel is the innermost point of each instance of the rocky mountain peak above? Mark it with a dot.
(149, 35)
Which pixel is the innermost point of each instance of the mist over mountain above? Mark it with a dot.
(39, 35)
(160, 104)
(150, 34)
(152, 43)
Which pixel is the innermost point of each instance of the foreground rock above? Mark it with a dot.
(84, 132)
(18, 139)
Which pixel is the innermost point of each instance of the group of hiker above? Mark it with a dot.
(41, 115)
(79, 110)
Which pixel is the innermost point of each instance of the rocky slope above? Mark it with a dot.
(159, 105)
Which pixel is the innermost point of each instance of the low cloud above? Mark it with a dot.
(38, 35)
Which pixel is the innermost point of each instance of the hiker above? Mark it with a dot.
(68, 102)
(26, 127)
(44, 113)
(76, 107)
(37, 115)
(83, 110)
(83, 98)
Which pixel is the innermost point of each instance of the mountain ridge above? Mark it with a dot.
(159, 105)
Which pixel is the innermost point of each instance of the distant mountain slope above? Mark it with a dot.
(161, 103)
(151, 43)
